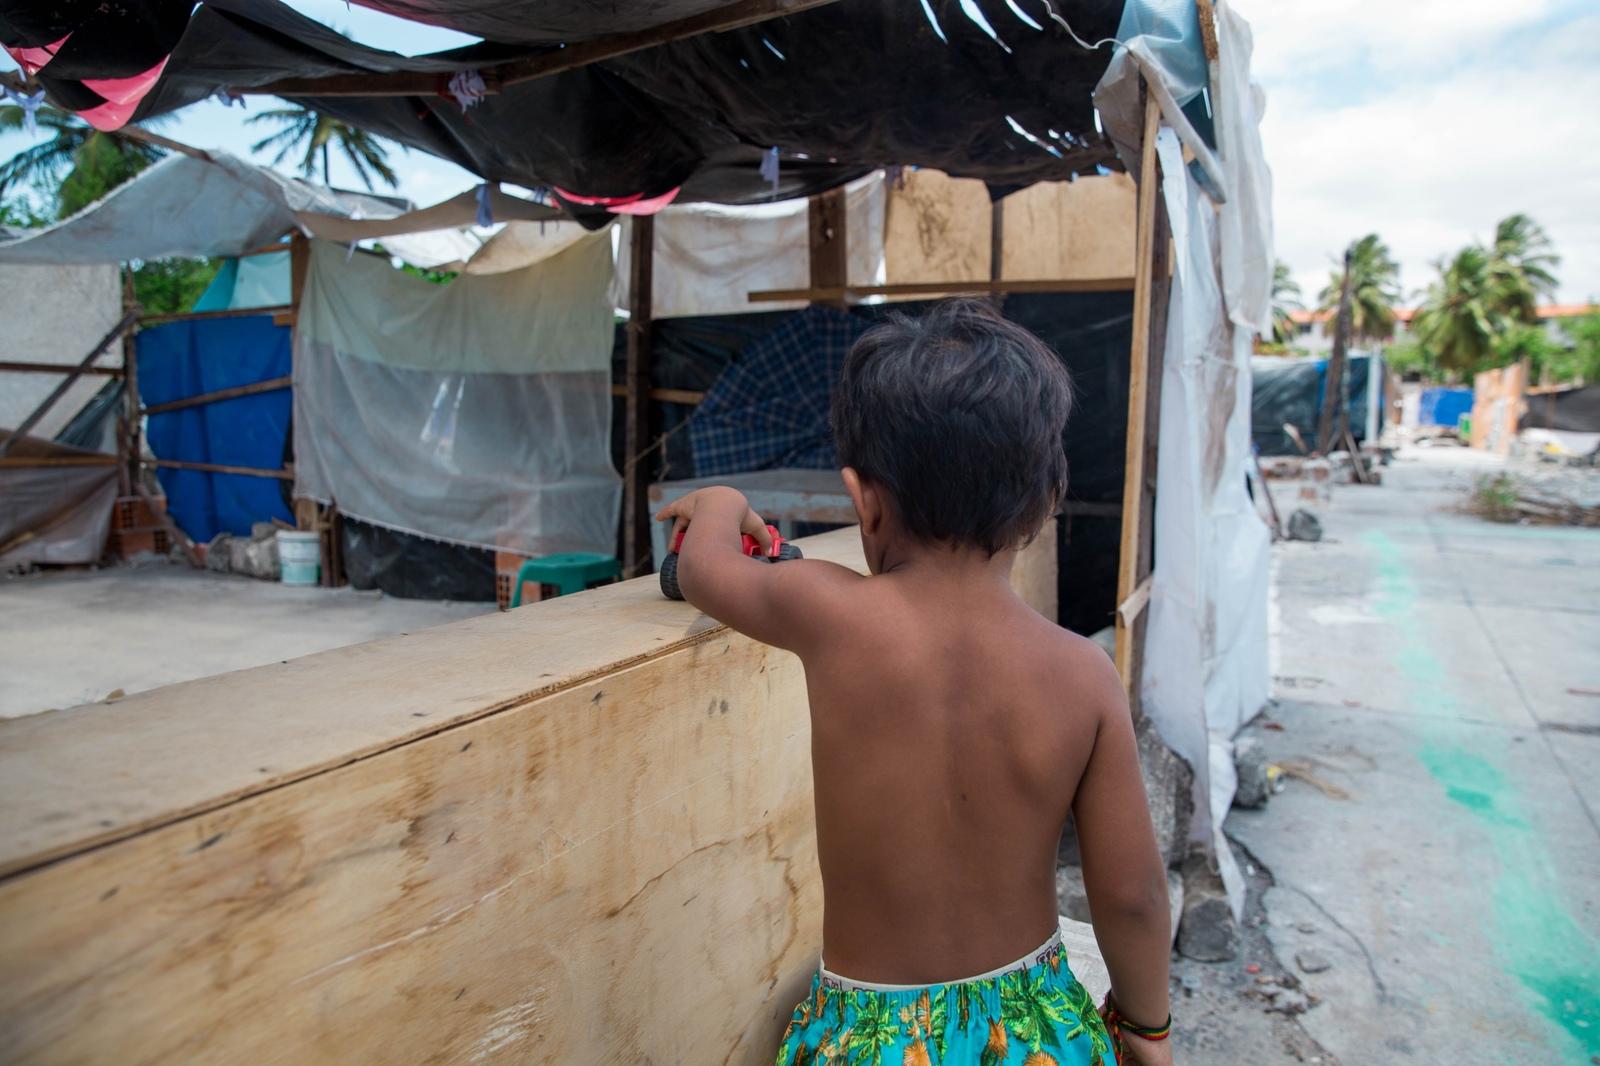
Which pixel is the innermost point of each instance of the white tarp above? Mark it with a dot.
(55, 314)
(709, 257)
(1206, 669)
(477, 412)
(224, 206)
(1206, 666)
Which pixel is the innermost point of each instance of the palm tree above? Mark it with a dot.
(1285, 301)
(1521, 267)
(1374, 289)
(1459, 320)
(94, 162)
(317, 131)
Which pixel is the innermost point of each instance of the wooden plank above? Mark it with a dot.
(122, 326)
(201, 316)
(23, 462)
(828, 238)
(639, 464)
(59, 368)
(852, 293)
(270, 385)
(1134, 605)
(556, 61)
(577, 832)
(686, 396)
(220, 468)
(1138, 381)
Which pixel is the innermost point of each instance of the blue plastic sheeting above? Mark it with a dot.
(1440, 406)
(182, 359)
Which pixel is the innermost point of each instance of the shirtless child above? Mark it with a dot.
(953, 729)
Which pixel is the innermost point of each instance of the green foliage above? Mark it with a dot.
(1374, 289)
(1285, 301)
(1495, 498)
(79, 163)
(1460, 318)
(1408, 355)
(22, 213)
(313, 133)
(1581, 361)
(163, 286)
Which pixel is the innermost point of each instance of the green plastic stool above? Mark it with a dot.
(569, 571)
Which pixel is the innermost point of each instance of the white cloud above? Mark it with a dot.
(1370, 128)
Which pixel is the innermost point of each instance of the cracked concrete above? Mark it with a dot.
(1437, 843)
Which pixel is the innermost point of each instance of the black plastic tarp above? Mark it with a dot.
(1289, 391)
(838, 90)
(1090, 331)
(1576, 410)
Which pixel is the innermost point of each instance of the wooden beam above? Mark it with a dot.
(475, 843)
(25, 461)
(220, 468)
(829, 247)
(270, 385)
(557, 60)
(1133, 487)
(638, 467)
(852, 293)
(60, 368)
(201, 316)
(685, 396)
(123, 325)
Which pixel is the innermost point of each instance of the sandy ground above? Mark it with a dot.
(1437, 861)
(71, 637)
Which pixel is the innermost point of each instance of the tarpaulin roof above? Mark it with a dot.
(976, 88)
(221, 205)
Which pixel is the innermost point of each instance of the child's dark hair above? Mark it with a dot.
(958, 414)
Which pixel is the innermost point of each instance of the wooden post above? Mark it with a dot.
(1335, 407)
(129, 449)
(830, 254)
(997, 248)
(636, 419)
(1132, 585)
(305, 510)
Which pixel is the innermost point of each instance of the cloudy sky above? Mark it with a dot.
(1425, 121)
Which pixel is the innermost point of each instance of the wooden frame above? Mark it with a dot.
(841, 294)
(1136, 554)
(636, 412)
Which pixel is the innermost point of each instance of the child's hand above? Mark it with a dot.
(1136, 1052)
(682, 511)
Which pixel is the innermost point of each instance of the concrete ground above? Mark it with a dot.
(71, 637)
(1435, 855)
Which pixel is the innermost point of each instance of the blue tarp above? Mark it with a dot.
(1442, 406)
(182, 359)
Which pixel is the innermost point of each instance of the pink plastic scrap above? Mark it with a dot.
(633, 204)
(33, 60)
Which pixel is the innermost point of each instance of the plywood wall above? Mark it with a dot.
(938, 229)
(578, 832)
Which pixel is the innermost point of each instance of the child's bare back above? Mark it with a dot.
(954, 729)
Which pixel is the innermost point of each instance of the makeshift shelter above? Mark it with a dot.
(1288, 392)
(627, 113)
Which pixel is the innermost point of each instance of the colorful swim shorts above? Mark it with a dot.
(1031, 1013)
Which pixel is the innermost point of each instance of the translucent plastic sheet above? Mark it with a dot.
(1206, 669)
(477, 412)
(55, 314)
(54, 514)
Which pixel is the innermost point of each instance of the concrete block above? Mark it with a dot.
(219, 553)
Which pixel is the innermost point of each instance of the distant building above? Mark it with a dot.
(1314, 329)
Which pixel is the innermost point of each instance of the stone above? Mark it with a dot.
(1169, 790)
(263, 531)
(1208, 930)
(1313, 962)
(1303, 525)
(1255, 781)
(1071, 899)
(219, 553)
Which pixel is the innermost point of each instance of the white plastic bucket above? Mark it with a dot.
(299, 556)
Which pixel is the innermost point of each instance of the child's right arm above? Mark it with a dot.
(1123, 873)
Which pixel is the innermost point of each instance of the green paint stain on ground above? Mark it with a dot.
(1548, 952)
(1554, 959)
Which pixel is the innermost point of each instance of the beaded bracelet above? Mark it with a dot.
(1117, 1026)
